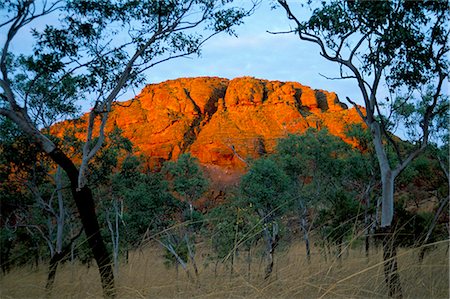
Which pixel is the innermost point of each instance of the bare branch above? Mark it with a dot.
(358, 109)
(237, 155)
(281, 32)
(358, 44)
(342, 77)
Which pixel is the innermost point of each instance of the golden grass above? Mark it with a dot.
(145, 276)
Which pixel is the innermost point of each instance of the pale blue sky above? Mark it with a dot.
(262, 55)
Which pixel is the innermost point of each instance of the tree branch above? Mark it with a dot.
(361, 114)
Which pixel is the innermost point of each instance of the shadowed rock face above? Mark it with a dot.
(216, 118)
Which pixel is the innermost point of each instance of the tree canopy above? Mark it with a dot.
(400, 45)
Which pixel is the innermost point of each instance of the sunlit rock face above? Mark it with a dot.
(223, 121)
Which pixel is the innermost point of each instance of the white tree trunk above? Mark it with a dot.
(387, 205)
(387, 177)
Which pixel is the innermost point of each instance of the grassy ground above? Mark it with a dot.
(145, 276)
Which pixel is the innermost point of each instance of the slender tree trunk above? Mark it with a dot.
(54, 261)
(387, 176)
(392, 277)
(215, 268)
(232, 266)
(116, 249)
(339, 252)
(86, 208)
(269, 253)
(305, 228)
(115, 235)
(271, 244)
(58, 255)
(191, 256)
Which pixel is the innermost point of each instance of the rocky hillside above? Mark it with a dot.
(221, 121)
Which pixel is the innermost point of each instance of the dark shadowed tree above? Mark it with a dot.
(43, 206)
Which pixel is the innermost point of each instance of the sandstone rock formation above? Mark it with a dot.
(223, 121)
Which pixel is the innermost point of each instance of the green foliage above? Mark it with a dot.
(402, 34)
(339, 218)
(408, 110)
(318, 161)
(328, 175)
(186, 178)
(361, 135)
(115, 148)
(148, 205)
(265, 187)
(233, 227)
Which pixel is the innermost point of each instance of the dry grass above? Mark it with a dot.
(145, 276)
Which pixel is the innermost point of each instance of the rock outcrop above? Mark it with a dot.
(223, 121)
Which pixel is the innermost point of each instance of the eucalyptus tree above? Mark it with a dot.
(96, 50)
(265, 191)
(141, 206)
(233, 228)
(402, 45)
(188, 182)
(42, 208)
(399, 44)
(324, 172)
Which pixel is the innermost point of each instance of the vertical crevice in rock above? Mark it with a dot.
(321, 98)
(260, 146)
(303, 110)
(297, 97)
(191, 132)
(200, 118)
(265, 93)
(212, 103)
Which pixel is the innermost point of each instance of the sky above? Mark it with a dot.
(255, 52)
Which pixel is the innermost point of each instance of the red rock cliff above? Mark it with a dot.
(210, 117)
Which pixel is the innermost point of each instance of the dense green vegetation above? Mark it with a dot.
(313, 185)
